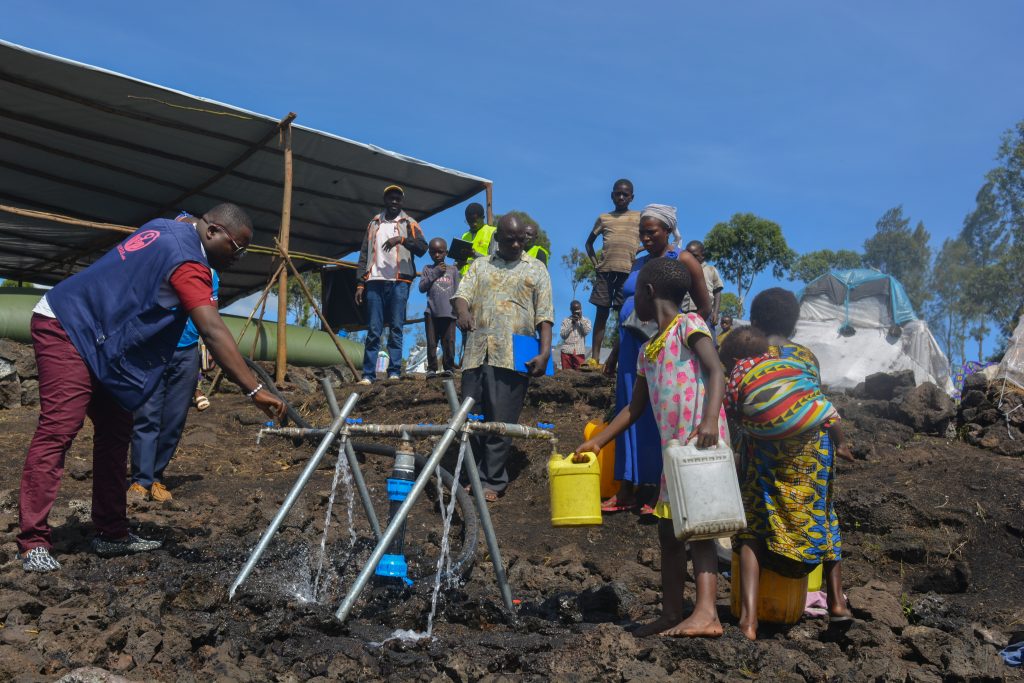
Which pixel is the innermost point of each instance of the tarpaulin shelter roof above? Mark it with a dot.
(91, 144)
(843, 286)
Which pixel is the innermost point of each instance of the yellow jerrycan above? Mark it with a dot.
(781, 600)
(605, 459)
(815, 581)
(575, 491)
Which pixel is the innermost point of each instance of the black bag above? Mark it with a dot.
(638, 328)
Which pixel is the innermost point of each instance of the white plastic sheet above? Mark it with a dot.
(847, 361)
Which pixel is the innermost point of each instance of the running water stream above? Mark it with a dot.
(444, 560)
(342, 472)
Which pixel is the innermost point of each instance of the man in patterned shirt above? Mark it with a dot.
(506, 293)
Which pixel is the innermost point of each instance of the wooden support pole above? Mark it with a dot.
(489, 194)
(282, 245)
(319, 314)
(67, 220)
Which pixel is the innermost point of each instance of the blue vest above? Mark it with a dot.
(111, 314)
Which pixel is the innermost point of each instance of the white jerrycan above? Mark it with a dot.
(703, 491)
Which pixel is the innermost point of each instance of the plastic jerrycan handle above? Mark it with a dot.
(591, 457)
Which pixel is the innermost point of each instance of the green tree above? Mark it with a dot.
(581, 270)
(746, 246)
(1007, 181)
(814, 264)
(17, 283)
(945, 312)
(897, 250)
(298, 304)
(730, 305)
(1007, 198)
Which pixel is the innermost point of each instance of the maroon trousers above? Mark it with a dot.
(68, 392)
(573, 361)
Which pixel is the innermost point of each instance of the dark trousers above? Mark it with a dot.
(68, 393)
(385, 305)
(499, 395)
(160, 420)
(443, 330)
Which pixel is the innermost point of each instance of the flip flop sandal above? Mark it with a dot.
(646, 510)
(613, 505)
(490, 495)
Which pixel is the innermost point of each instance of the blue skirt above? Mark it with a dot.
(638, 449)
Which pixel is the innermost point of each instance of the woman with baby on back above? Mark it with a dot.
(789, 435)
(679, 377)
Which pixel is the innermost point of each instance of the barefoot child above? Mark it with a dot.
(783, 416)
(679, 377)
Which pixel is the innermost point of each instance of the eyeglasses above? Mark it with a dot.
(239, 252)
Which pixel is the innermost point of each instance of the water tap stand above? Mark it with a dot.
(454, 427)
(293, 495)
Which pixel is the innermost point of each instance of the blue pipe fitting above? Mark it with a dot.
(395, 567)
(398, 489)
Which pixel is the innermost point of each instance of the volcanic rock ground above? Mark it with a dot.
(933, 533)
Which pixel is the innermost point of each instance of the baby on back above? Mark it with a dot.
(772, 398)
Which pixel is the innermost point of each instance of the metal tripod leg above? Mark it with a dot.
(353, 462)
(481, 505)
(293, 495)
(364, 493)
(454, 427)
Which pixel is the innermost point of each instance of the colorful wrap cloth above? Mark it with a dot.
(777, 398)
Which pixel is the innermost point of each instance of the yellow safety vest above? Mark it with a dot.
(481, 243)
(536, 250)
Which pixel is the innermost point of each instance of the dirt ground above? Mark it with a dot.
(933, 546)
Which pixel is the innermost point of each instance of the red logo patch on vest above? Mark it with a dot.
(137, 241)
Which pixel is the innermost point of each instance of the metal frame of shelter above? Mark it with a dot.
(88, 155)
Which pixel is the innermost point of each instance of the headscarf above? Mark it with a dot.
(663, 212)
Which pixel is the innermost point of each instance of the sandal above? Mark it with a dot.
(646, 510)
(613, 505)
(200, 402)
(490, 495)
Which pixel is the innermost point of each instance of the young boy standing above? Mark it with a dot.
(439, 282)
(620, 232)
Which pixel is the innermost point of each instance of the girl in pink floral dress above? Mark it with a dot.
(680, 377)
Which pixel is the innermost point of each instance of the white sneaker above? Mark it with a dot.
(394, 378)
(38, 559)
(365, 382)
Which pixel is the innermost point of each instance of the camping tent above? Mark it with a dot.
(1011, 368)
(859, 322)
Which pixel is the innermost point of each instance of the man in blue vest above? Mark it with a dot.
(102, 340)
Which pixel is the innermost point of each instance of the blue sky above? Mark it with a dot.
(819, 116)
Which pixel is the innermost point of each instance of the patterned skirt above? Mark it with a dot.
(789, 498)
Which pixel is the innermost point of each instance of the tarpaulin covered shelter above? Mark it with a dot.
(859, 322)
(1011, 367)
(86, 154)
